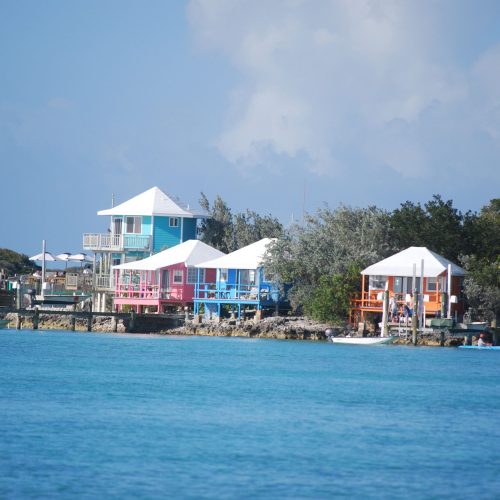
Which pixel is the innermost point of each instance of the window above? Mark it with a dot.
(192, 275)
(431, 285)
(223, 274)
(117, 226)
(173, 221)
(116, 261)
(377, 282)
(134, 225)
(177, 276)
(267, 276)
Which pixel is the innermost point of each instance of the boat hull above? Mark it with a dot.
(4, 323)
(487, 347)
(362, 340)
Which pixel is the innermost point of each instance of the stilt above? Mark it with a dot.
(36, 316)
(73, 320)
(131, 326)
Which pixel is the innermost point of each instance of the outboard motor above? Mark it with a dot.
(329, 333)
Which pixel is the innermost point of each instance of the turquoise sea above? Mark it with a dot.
(136, 416)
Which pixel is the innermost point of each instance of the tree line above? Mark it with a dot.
(323, 256)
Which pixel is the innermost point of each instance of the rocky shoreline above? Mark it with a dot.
(283, 328)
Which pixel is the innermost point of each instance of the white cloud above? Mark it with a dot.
(321, 79)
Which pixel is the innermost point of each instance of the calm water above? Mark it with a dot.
(115, 416)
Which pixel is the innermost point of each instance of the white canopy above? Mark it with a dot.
(48, 257)
(249, 257)
(153, 202)
(401, 264)
(190, 253)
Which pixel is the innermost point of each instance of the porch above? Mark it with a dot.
(107, 242)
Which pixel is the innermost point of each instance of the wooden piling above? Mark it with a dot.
(131, 326)
(72, 323)
(19, 321)
(36, 317)
(414, 316)
(89, 318)
(442, 338)
(114, 324)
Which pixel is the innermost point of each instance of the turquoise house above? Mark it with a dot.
(241, 283)
(140, 227)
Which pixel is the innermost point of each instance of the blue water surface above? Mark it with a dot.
(86, 415)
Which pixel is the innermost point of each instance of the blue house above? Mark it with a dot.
(140, 227)
(241, 283)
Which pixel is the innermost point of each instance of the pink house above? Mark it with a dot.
(165, 279)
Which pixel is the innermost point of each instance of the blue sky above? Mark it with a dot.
(359, 102)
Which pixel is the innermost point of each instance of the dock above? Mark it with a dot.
(133, 322)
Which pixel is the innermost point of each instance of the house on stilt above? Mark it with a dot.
(240, 284)
(437, 280)
(138, 228)
(164, 280)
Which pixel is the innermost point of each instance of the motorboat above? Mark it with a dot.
(362, 340)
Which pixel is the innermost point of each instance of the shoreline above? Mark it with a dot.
(278, 328)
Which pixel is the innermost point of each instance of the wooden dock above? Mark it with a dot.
(133, 322)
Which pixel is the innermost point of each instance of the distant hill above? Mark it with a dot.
(15, 263)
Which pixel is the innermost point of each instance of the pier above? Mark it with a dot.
(132, 322)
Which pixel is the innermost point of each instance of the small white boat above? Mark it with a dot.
(473, 325)
(362, 340)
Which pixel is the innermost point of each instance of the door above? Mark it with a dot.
(117, 226)
(165, 283)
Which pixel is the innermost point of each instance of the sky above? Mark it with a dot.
(276, 106)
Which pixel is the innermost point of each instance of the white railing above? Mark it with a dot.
(115, 242)
(136, 241)
(97, 241)
(71, 280)
(103, 282)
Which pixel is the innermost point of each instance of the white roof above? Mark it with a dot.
(249, 257)
(153, 202)
(190, 253)
(401, 264)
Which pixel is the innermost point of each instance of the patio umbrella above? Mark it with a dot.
(64, 256)
(80, 257)
(48, 257)
(44, 257)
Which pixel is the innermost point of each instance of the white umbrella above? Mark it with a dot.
(80, 257)
(64, 257)
(44, 257)
(48, 257)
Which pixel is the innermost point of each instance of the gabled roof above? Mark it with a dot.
(190, 253)
(401, 264)
(153, 202)
(249, 257)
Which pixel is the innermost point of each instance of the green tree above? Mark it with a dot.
(218, 228)
(250, 227)
(438, 226)
(330, 300)
(15, 263)
(482, 286)
(229, 232)
(328, 244)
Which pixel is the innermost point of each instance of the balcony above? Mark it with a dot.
(104, 282)
(107, 242)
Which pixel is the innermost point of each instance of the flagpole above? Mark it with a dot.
(43, 267)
